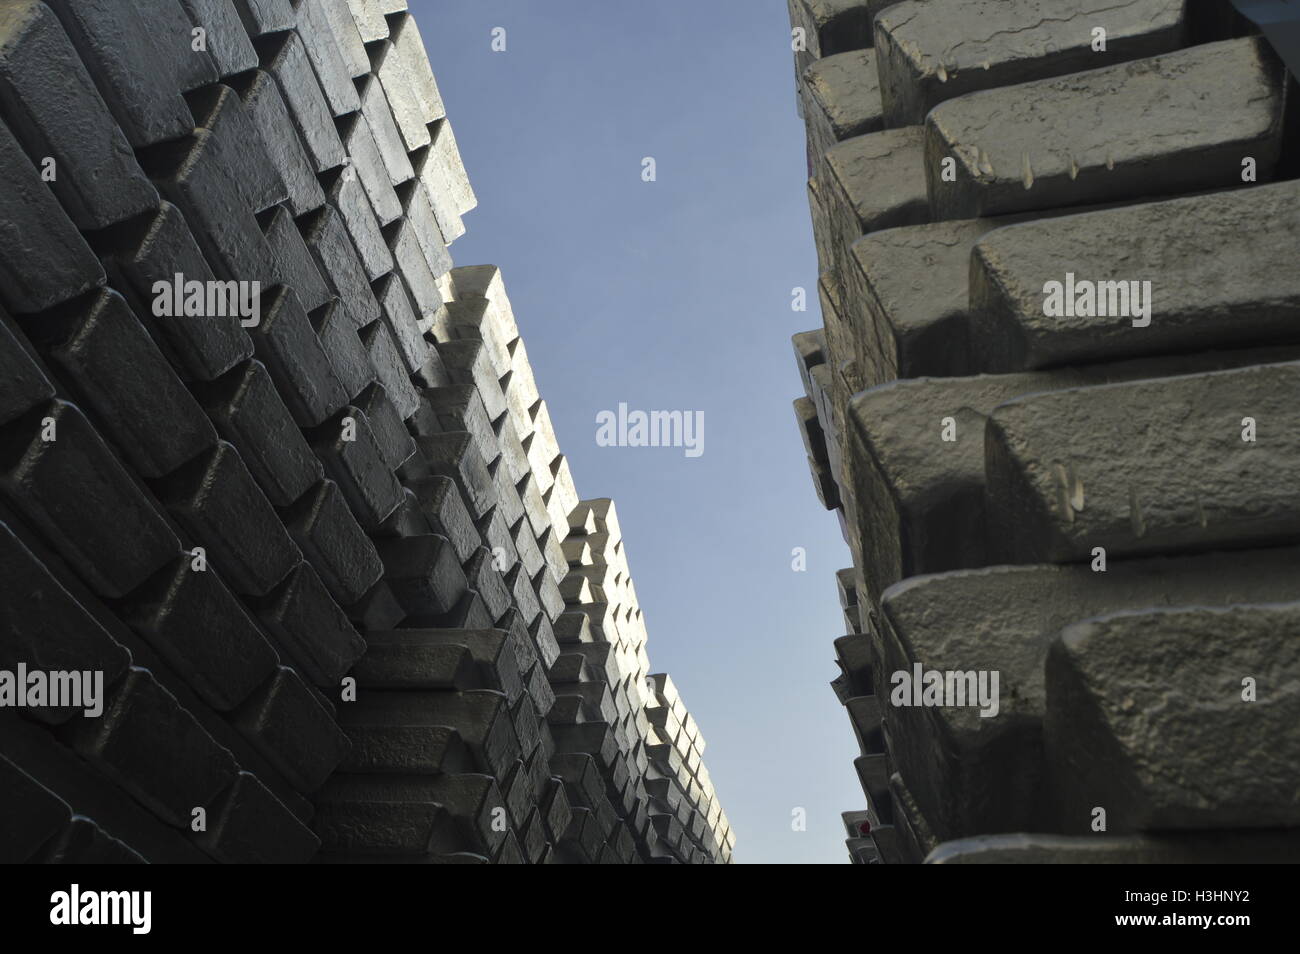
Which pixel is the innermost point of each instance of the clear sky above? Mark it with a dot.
(674, 295)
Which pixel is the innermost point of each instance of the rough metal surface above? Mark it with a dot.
(1219, 268)
(1073, 470)
(1234, 668)
(938, 50)
(840, 101)
(975, 773)
(1108, 134)
(927, 493)
(873, 182)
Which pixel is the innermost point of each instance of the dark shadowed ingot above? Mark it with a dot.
(310, 627)
(216, 500)
(74, 490)
(40, 231)
(148, 250)
(84, 842)
(366, 815)
(23, 385)
(479, 716)
(1191, 712)
(456, 455)
(140, 719)
(288, 724)
(98, 345)
(493, 662)
(916, 838)
(921, 501)
(442, 506)
(197, 625)
(423, 573)
(973, 774)
(249, 413)
(416, 659)
(53, 108)
(288, 345)
(35, 814)
(48, 628)
(249, 825)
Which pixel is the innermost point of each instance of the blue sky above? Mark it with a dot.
(674, 295)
